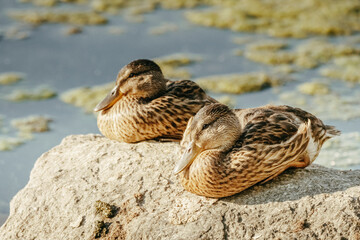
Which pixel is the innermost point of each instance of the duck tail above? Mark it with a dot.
(331, 131)
(290, 150)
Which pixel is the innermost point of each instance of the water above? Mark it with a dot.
(94, 57)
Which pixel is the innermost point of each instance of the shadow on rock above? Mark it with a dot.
(295, 184)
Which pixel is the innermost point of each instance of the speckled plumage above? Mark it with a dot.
(258, 144)
(150, 106)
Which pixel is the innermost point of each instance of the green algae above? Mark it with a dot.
(239, 83)
(86, 97)
(173, 65)
(345, 68)
(8, 78)
(281, 19)
(37, 17)
(314, 88)
(41, 93)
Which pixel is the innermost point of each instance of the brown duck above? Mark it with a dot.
(144, 105)
(228, 151)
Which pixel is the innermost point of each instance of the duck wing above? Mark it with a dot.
(274, 124)
(266, 126)
(321, 132)
(187, 89)
(168, 114)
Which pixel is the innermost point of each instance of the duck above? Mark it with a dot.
(144, 105)
(227, 151)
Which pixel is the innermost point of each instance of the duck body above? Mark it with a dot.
(268, 140)
(150, 106)
(165, 117)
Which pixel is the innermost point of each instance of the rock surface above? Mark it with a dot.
(136, 181)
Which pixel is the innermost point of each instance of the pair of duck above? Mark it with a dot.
(226, 150)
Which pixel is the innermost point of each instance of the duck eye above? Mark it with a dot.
(205, 126)
(132, 75)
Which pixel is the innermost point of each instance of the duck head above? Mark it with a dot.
(141, 78)
(214, 126)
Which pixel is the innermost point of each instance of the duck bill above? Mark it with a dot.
(191, 152)
(109, 100)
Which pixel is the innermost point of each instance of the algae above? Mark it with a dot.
(239, 83)
(163, 28)
(271, 57)
(42, 3)
(25, 127)
(9, 143)
(16, 33)
(171, 65)
(238, 52)
(273, 17)
(73, 30)
(37, 17)
(51, 3)
(8, 78)
(338, 105)
(309, 54)
(86, 97)
(266, 45)
(314, 88)
(242, 40)
(346, 68)
(281, 19)
(227, 100)
(285, 69)
(323, 51)
(34, 123)
(36, 94)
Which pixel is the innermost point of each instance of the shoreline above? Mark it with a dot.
(3, 218)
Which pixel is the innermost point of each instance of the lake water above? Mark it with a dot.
(48, 57)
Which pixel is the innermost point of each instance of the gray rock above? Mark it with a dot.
(136, 181)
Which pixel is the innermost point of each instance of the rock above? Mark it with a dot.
(60, 200)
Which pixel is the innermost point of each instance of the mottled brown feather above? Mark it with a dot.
(272, 139)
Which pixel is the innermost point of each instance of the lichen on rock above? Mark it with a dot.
(100, 229)
(105, 209)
